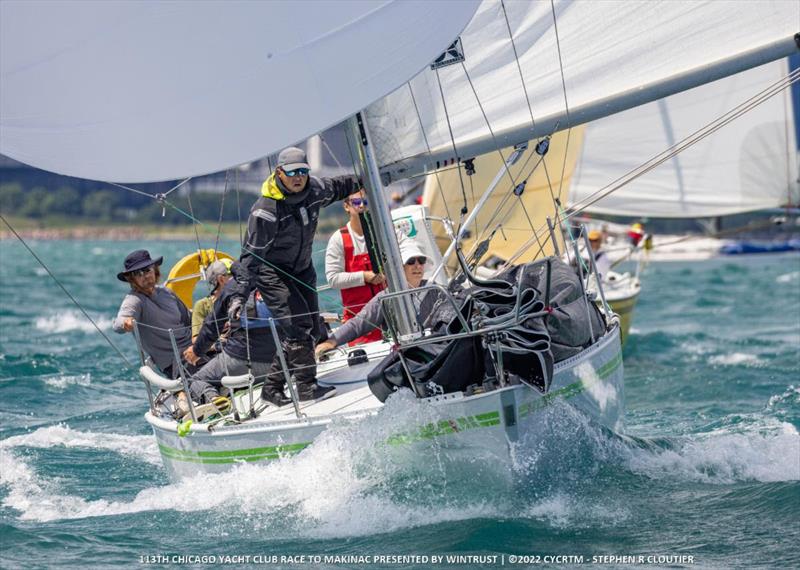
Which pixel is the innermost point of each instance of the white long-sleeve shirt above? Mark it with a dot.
(337, 277)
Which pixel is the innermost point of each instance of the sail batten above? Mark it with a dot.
(615, 55)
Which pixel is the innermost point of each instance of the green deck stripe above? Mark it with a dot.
(429, 431)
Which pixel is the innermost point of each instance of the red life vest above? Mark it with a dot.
(354, 298)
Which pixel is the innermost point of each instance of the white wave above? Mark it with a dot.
(138, 446)
(734, 359)
(790, 396)
(342, 485)
(61, 382)
(788, 277)
(40, 271)
(565, 511)
(67, 321)
(98, 251)
(766, 453)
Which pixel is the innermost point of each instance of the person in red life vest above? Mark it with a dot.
(636, 233)
(348, 267)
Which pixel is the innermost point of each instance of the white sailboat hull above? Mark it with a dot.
(491, 422)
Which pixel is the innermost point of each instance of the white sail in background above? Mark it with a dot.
(615, 55)
(749, 164)
(144, 91)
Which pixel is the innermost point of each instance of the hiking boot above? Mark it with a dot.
(274, 397)
(315, 392)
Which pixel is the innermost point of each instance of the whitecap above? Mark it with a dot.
(67, 321)
(138, 446)
(766, 452)
(735, 359)
(788, 277)
(62, 381)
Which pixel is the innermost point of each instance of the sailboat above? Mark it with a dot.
(354, 53)
(747, 165)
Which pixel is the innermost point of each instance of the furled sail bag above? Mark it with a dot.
(573, 321)
(528, 340)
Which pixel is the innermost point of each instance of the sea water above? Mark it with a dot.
(706, 475)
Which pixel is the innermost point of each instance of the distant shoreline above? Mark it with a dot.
(87, 233)
(129, 232)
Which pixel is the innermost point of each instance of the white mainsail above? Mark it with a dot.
(615, 55)
(749, 164)
(134, 91)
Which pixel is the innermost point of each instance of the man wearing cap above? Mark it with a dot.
(277, 254)
(371, 316)
(155, 307)
(248, 348)
(348, 266)
(217, 274)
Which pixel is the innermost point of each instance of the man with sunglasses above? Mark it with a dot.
(371, 316)
(348, 266)
(277, 254)
(156, 308)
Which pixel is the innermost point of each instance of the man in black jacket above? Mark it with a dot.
(249, 346)
(277, 253)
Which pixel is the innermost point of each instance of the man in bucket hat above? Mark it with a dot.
(277, 254)
(155, 306)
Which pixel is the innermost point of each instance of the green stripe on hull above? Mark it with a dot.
(254, 454)
(571, 389)
(429, 431)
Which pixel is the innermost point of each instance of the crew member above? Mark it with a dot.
(277, 254)
(348, 266)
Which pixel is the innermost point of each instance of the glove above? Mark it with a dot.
(235, 310)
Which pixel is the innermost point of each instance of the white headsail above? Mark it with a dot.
(615, 55)
(144, 91)
(748, 165)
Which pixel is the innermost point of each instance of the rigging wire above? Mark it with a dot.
(564, 90)
(194, 220)
(428, 146)
(455, 150)
(221, 209)
(66, 292)
(688, 141)
(673, 150)
(519, 66)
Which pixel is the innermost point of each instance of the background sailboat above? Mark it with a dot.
(749, 164)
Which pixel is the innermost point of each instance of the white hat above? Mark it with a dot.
(409, 249)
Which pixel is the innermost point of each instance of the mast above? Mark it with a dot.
(402, 307)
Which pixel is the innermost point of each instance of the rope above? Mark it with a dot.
(64, 289)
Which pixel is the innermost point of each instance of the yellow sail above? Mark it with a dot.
(512, 219)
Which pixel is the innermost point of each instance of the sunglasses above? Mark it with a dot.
(421, 260)
(144, 271)
(358, 202)
(297, 172)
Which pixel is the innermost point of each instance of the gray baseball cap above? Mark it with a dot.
(292, 158)
(217, 269)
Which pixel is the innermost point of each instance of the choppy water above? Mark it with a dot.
(709, 466)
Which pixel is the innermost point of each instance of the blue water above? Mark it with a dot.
(709, 466)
